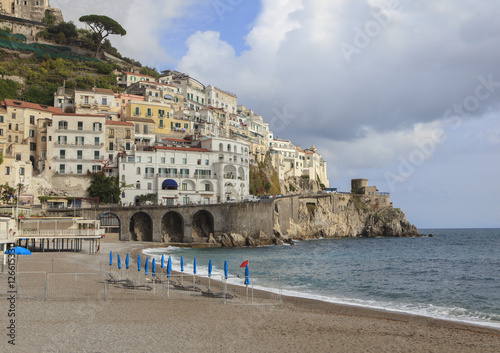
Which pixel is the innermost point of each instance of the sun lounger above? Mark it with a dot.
(218, 295)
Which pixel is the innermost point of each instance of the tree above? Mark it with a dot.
(1, 157)
(103, 26)
(107, 189)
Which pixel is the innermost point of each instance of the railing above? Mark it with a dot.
(61, 233)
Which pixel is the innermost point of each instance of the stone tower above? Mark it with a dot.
(33, 10)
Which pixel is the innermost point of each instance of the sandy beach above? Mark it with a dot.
(298, 325)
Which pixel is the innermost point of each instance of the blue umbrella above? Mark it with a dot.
(127, 260)
(247, 275)
(169, 267)
(153, 268)
(146, 266)
(209, 268)
(110, 258)
(18, 250)
(162, 261)
(194, 266)
(119, 261)
(138, 262)
(182, 264)
(225, 269)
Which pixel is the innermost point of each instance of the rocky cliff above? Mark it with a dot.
(360, 217)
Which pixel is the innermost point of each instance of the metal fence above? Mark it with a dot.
(134, 285)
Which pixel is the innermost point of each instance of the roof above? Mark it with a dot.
(102, 90)
(176, 140)
(131, 73)
(21, 104)
(187, 149)
(141, 120)
(114, 122)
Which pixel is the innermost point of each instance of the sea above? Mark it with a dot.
(454, 275)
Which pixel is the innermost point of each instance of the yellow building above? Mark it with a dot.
(161, 114)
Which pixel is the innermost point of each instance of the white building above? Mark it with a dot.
(179, 175)
(76, 143)
(221, 99)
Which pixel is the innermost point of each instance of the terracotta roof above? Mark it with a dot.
(177, 140)
(114, 122)
(131, 73)
(187, 149)
(21, 104)
(103, 90)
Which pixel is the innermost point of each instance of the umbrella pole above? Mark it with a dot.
(247, 293)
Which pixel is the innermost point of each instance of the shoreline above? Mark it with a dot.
(299, 324)
(354, 306)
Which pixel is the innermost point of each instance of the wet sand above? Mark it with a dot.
(298, 325)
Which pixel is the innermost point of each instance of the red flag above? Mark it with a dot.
(244, 263)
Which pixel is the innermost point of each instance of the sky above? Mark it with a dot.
(404, 93)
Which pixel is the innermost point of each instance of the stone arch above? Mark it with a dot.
(141, 227)
(172, 227)
(203, 224)
(241, 173)
(188, 185)
(69, 110)
(229, 172)
(111, 224)
(204, 187)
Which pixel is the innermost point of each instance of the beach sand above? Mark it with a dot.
(298, 325)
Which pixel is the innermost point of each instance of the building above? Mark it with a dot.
(161, 115)
(33, 10)
(191, 89)
(120, 137)
(129, 78)
(97, 101)
(222, 99)
(76, 143)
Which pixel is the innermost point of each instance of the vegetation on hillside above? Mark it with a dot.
(103, 27)
(263, 179)
(107, 189)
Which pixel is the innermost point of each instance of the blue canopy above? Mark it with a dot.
(146, 266)
(182, 264)
(169, 267)
(110, 258)
(209, 268)
(127, 260)
(169, 184)
(18, 250)
(162, 261)
(118, 260)
(194, 266)
(138, 262)
(225, 269)
(247, 275)
(153, 268)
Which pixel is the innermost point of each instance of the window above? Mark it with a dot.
(127, 134)
(80, 125)
(96, 141)
(1, 118)
(1, 132)
(86, 99)
(172, 160)
(104, 101)
(162, 160)
(111, 146)
(137, 111)
(185, 200)
(184, 173)
(127, 146)
(186, 126)
(43, 139)
(184, 186)
(161, 113)
(9, 138)
(32, 119)
(32, 146)
(96, 168)
(207, 187)
(17, 127)
(62, 154)
(96, 154)
(137, 128)
(63, 125)
(62, 168)
(150, 159)
(13, 115)
(149, 112)
(79, 140)
(7, 170)
(206, 161)
(160, 125)
(79, 169)
(138, 159)
(79, 154)
(32, 133)
(145, 129)
(62, 140)
(199, 162)
(97, 126)
(138, 171)
(111, 133)
(138, 185)
(150, 186)
(184, 160)
(21, 170)
(16, 139)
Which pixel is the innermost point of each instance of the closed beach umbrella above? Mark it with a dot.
(182, 264)
(118, 261)
(127, 260)
(247, 275)
(110, 258)
(153, 268)
(138, 262)
(17, 250)
(194, 266)
(162, 261)
(146, 266)
(209, 268)
(225, 269)
(169, 267)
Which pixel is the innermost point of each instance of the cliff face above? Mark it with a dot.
(359, 218)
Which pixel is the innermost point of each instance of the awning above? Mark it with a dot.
(169, 184)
